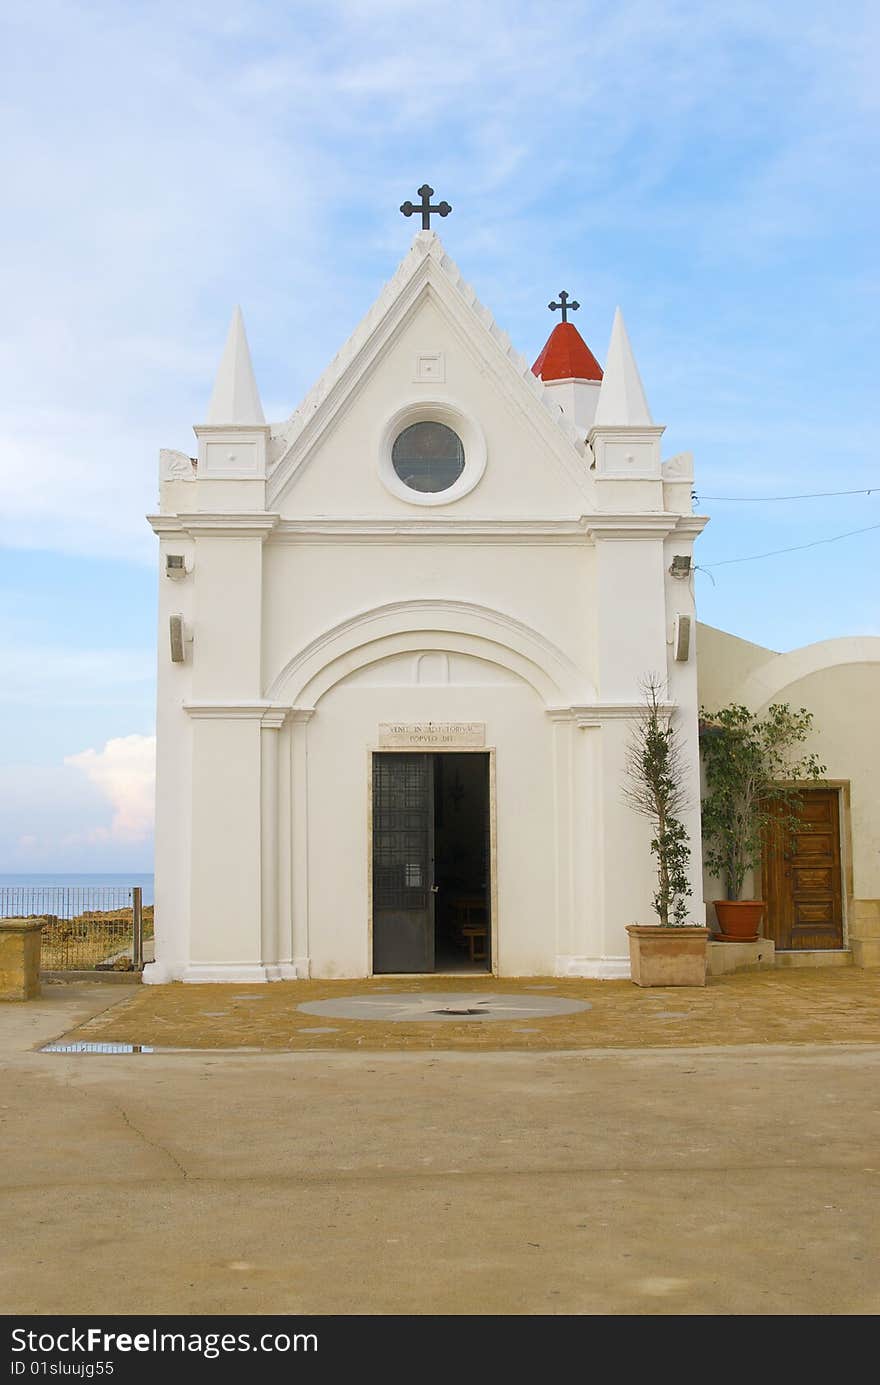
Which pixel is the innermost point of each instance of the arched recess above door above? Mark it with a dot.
(430, 625)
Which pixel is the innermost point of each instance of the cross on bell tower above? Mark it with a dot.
(426, 193)
(564, 305)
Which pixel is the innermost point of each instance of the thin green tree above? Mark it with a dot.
(655, 788)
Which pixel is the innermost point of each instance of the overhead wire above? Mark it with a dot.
(796, 548)
(809, 495)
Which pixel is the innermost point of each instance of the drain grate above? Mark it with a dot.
(96, 1048)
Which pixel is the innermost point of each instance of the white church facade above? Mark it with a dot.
(403, 635)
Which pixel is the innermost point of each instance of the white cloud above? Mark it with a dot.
(39, 807)
(54, 817)
(125, 772)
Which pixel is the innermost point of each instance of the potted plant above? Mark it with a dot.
(670, 952)
(752, 769)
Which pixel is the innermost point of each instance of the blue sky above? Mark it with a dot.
(712, 169)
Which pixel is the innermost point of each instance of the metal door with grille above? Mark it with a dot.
(403, 863)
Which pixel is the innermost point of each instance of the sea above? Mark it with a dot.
(78, 880)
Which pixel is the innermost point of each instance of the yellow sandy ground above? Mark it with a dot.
(810, 1006)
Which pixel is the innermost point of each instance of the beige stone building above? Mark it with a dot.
(825, 899)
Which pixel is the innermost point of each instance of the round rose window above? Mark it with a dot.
(428, 457)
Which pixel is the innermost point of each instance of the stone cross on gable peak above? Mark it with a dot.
(426, 193)
(564, 305)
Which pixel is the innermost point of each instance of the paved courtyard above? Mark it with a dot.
(792, 1006)
(711, 1152)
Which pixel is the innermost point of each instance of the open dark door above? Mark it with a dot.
(403, 863)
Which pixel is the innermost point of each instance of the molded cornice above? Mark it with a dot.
(209, 429)
(269, 714)
(593, 714)
(447, 530)
(477, 531)
(643, 526)
(247, 524)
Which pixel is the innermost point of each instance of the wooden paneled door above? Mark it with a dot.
(802, 877)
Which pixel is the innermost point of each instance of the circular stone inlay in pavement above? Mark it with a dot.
(439, 1007)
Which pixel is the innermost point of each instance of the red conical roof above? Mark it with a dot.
(566, 356)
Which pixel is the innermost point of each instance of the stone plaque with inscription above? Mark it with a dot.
(431, 735)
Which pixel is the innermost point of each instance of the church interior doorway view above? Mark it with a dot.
(431, 862)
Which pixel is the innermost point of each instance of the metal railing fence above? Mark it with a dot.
(85, 928)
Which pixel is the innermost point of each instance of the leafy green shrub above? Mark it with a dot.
(752, 774)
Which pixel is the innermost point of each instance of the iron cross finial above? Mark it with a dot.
(426, 193)
(564, 305)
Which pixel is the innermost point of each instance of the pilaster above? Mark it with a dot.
(563, 786)
(300, 835)
(270, 725)
(630, 608)
(226, 901)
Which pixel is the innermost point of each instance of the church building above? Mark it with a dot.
(403, 636)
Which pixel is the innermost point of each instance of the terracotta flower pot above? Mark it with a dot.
(667, 956)
(738, 919)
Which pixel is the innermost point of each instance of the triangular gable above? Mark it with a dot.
(426, 268)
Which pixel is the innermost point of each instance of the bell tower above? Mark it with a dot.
(570, 373)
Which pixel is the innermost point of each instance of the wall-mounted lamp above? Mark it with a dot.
(175, 565)
(180, 636)
(680, 565)
(681, 639)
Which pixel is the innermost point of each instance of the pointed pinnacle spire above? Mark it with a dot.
(236, 398)
(622, 397)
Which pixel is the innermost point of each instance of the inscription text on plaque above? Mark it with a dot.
(427, 734)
